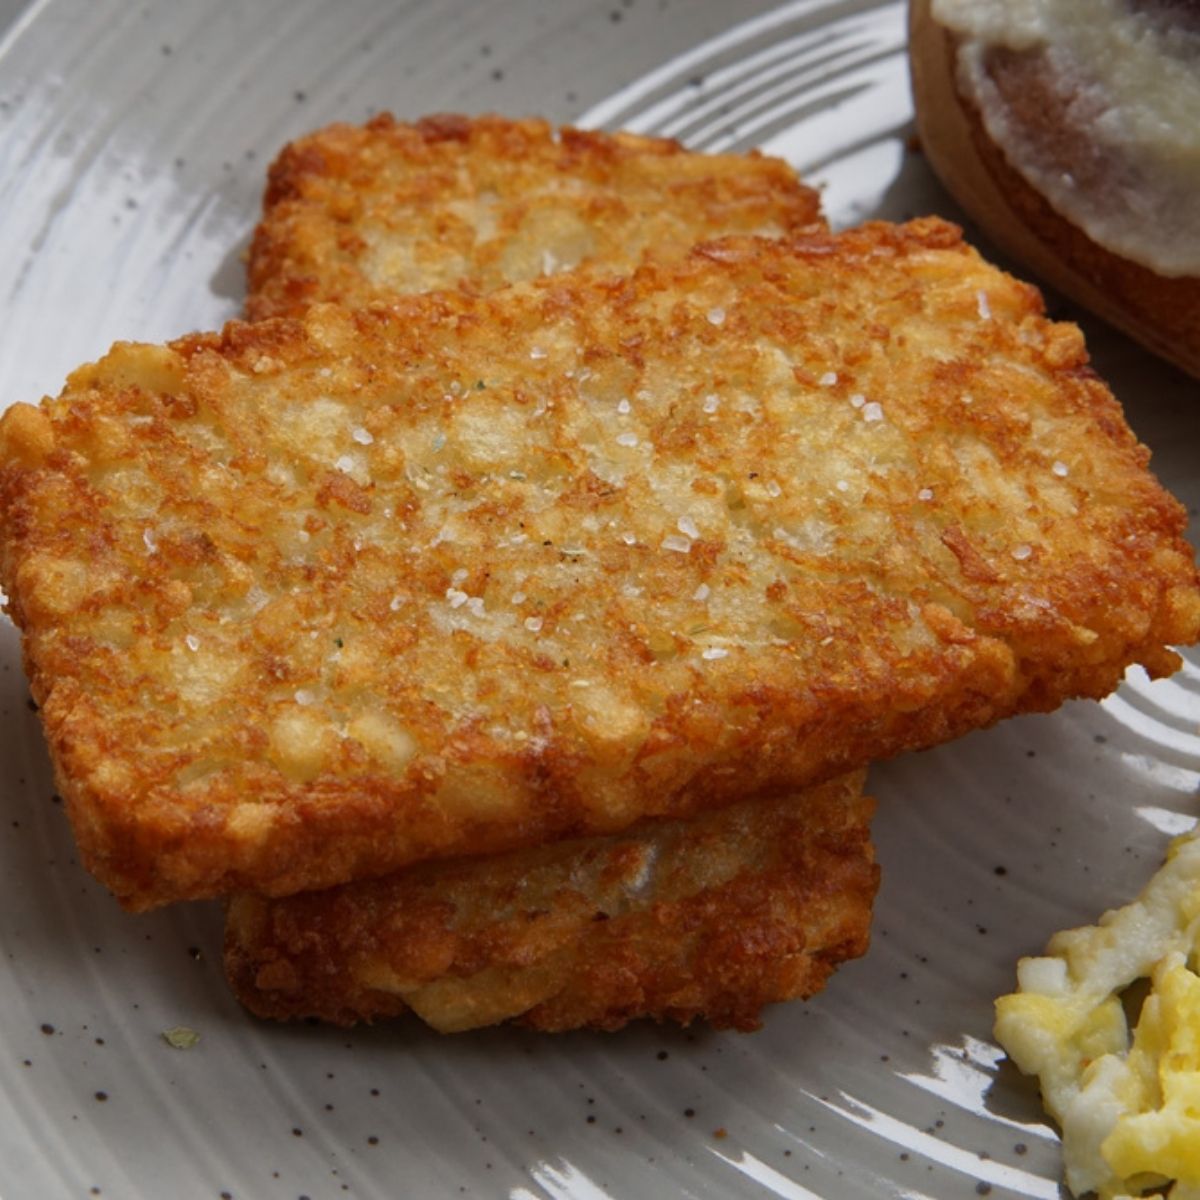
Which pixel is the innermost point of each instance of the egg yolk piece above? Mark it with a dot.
(1128, 1108)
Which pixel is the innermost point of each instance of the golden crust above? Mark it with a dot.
(354, 214)
(1161, 313)
(306, 602)
(709, 918)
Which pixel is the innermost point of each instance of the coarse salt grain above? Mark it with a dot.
(714, 652)
(688, 526)
(151, 543)
(192, 642)
(533, 624)
(858, 400)
(629, 539)
(872, 411)
(773, 489)
(304, 697)
(394, 606)
(925, 494)
(456, 598)
(627, 439)
(716, 315)
(1022, 552)
(828, 379)
(681, 545)
(362, 436)
(537, 352)
(985, 309)
(702, 592)
(459, 575)
(624, 406)
(1061, 470)
(518, 598)
(475, 606)
(712, 403)
(345, 464)
(842, 485)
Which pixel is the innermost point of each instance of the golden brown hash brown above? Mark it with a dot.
(354, 214)
(690, 931)
(707, 918)
(309, 601)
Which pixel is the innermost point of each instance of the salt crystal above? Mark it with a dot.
(828, 379)
(925, 494)
(858, 400)
(872, 411)
(714, 652)
(688, 526)
(362, 436)
(193, 642)
(456, 598)
(627, 439)
(533, 624)
(681, 545)
(716, 315)
(1022, 552)
(985, 309)
(623, 406)
(701, 593)
(1061, 470)
(711, 403)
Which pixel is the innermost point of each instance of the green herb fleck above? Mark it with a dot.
(181, 1037)
(480, 385)
(338, 643)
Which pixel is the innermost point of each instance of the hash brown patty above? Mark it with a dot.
(307, 601)
(354, 214)
(709, 918)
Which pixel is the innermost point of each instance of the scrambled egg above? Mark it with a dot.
(1129, 1111)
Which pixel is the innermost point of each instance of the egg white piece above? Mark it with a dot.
(1129, 1110)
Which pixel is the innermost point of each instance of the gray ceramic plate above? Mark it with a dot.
(133, 139)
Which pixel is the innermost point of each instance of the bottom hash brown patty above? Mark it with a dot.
(709, 918)
(311, 600)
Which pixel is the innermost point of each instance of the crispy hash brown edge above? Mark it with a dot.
(706, 919)
(1132, 600)
(628, 195)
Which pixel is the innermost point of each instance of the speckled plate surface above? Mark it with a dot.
(132, 144)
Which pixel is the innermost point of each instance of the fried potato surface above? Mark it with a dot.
(708, 918)
(309, 601)
(354, 214)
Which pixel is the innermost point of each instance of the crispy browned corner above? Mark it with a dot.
(354, 214)
(710, 918)
(309, 601)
